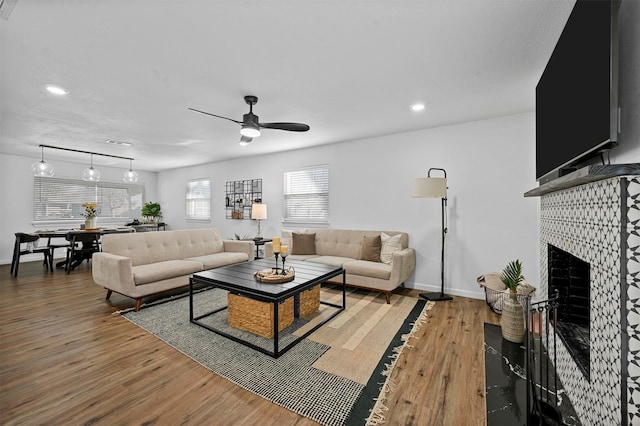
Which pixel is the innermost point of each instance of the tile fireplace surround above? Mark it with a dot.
(594, 214)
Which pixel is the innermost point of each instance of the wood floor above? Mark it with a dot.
(66, 358)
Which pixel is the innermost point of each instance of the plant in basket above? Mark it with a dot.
(512, 320)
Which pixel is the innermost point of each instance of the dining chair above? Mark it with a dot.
(52, 247)
(82, 246)
(27, 244)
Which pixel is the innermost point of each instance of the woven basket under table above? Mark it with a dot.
(258, 317)
(310, 300)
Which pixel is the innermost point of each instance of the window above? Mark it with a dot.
(306, 195)
(199, 199)
(58, 199)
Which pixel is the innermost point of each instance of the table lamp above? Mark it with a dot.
(259, 213)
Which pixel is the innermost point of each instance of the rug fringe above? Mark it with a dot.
(379, 410)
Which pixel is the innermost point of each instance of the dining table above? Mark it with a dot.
(63, 232)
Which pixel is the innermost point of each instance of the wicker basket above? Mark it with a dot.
(258, 317)
(495, 299)
(310, 301)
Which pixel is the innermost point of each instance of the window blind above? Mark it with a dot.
(199, 199)
(306, 194)
(61, 199)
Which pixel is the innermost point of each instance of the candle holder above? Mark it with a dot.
(284, 256)
(276, 254)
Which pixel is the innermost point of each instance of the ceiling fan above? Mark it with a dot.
(250, 126)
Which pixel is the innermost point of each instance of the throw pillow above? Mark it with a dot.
(389, 245)
(371, 247)
(304, 243)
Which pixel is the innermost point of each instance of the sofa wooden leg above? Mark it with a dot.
(387, 295)
(108, 294)
(138, 303)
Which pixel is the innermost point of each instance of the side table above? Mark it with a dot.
(259, 242)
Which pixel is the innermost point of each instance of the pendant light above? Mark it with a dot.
(42, 168)
(130, 176)
(90, 174)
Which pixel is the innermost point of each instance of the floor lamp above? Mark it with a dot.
(434, 187)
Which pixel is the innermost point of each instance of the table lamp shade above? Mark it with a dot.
(429, 187)
(258, 211)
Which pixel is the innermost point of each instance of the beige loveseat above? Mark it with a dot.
(141, 264)
(355, 251)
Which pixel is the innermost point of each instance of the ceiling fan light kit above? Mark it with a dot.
(244, 140)
(250, 125)
(249, 131)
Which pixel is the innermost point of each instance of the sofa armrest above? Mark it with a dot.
(268, 250)
(113, 272)
(248, 247)
(402, 265)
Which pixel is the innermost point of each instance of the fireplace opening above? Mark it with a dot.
(570, 276)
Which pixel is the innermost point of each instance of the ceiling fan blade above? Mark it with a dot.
(213, 115)
(292, 127)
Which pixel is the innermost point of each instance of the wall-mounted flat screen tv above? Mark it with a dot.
(576, 97)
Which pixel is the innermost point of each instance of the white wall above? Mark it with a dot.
(16, 195)
(489, 166)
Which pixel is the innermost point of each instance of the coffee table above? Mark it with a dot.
(239, 279)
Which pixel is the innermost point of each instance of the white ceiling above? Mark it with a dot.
(348, 68)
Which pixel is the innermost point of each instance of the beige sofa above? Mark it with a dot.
(343, 247)
(141, 264)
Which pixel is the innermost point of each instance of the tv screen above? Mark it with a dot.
(574, 97)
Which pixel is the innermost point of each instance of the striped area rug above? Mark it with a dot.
(334, 376)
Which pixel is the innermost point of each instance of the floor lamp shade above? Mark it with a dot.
(429, 187)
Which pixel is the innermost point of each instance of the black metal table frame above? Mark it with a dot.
(275, 300)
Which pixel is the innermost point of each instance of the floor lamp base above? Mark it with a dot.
(435, 296)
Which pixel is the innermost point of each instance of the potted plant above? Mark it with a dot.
(151, 211)
(90, 213)
(512, 275)
(512, 320)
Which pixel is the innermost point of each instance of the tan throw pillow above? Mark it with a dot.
(371, 247)
(304, 243)
(389, 245)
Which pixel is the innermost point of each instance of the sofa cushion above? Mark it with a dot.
(143, 247)
(301, 256)
(330, 260)
(304, 243)
(371, 247)
(368, 269)
(389, 245)
(144, 274)
(217, 260)
(198, 242)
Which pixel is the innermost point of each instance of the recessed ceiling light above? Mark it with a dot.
(417, 107)
(112, 142)
(56, 90)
